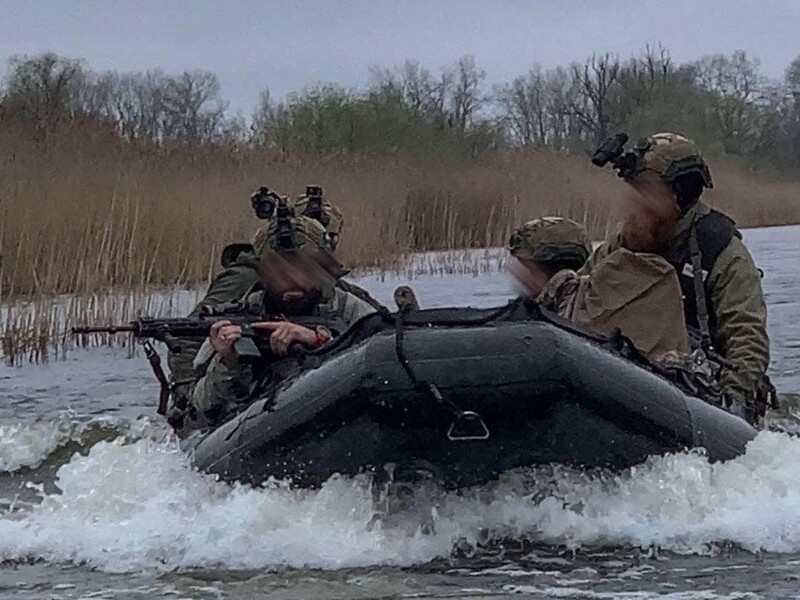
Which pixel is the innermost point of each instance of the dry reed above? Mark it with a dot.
(85, 213)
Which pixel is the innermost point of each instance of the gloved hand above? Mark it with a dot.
(744, 405)
(175, 417)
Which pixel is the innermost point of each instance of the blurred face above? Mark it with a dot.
(650, 212)
(529, 275)
(294, 283)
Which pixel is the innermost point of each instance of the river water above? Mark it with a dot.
(96, 501)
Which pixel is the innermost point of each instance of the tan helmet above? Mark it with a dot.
(290, 234)
(551, 239)
(330, 216)
(667, 156)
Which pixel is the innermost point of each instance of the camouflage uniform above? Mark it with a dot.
(623, 293)
(229, 380)
(554, 243)
(731, 281)
(233, 283)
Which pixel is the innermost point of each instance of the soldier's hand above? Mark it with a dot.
(283, 335)
(223, 336)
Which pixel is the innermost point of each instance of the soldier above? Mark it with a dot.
(331, 218)
(543, 247)
(622, 293)
(312, 205)
(724, 305)
(295, 267)
(238, 277)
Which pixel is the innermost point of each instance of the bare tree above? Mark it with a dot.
(537, 109)
(523, 107)
(736, 83)
(418, 87)
(560, 97)
(44, 89)
(655, 66)
(193, 109)
(466, 96)
(135, 103)
(264, 120)
(95, 94)
(271, 125)
(646, 75)
(596, 82)
(792, 81)
(734, 76)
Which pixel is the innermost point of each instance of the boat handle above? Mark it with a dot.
(472, 418)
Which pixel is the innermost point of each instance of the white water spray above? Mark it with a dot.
(139, 506)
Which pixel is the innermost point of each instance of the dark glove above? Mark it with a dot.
(175, 417)
(745, 406)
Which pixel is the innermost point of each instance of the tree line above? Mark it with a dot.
(723, 101)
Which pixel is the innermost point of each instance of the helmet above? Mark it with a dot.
(551, 239)
(290, 234)
(328, 214)
(668, 156)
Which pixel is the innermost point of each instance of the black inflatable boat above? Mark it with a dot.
(466, 394)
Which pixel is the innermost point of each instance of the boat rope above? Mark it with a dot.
(467, 425)
(419, 385)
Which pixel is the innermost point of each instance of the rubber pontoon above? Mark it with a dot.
(466, 394)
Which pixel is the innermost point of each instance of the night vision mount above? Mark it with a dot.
(284, 227)
(612, 150)
(264, 202)
(313, 208)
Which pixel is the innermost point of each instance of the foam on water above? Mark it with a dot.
(28, 445)
(579, 594)
(131, 506)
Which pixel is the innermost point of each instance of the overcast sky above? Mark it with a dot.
(287, 44)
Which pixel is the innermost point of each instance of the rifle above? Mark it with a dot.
(252, 346)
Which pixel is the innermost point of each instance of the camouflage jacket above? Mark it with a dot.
(230, 285)
(622, 293)
(224, 381)
(733, 287)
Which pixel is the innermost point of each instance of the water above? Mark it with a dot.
(96, 501)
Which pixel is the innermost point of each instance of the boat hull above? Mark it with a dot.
(545, 395)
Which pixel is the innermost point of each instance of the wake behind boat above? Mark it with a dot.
(466, 394)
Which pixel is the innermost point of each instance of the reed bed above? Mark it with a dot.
(90, 226)
(39, 330)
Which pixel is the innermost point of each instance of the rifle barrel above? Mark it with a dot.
(111, 329)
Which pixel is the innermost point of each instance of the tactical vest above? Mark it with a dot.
(714, 232)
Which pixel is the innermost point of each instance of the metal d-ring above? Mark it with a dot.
(472, 418)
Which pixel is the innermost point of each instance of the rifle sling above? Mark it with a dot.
(699, 290)
(155, 363)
